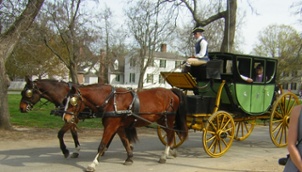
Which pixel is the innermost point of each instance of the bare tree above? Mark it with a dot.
(149, 24)
(73, 33)
(219, 10)
(8, 40)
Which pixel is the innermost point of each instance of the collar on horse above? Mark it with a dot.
(133, 107)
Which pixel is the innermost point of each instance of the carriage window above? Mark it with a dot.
(228, 67)
(258, 71)
(270, 71)
(244, 68)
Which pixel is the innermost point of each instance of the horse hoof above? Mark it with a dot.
(66, 154)
(173, 153)
(89, 169)
(74, 155)
(128, 162)
(162, 161)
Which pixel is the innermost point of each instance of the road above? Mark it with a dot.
(24, 153)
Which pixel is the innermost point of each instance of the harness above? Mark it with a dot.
(116, 113)
(132, 110)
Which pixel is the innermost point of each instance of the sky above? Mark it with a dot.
(268, 12)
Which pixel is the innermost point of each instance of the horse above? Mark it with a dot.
(56, 92)
(123, 110)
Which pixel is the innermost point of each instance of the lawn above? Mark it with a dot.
(40, 116)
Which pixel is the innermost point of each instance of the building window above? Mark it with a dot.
(293, 86)
(132, 78)
(162, 63)
(295, 73)
(117, 78)
(285, 74)
(132, 62)
(177, 64)
(285, 86)
(115, 65)
(149, 78)
(161, 79)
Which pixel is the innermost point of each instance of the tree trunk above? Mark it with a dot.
(4, 113)
(230, 27)
(8, 41)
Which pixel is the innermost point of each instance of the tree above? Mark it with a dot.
(32, 58)
(8, 40)
(74, 33)
(220, 11)
(149, 25)
(282, 42)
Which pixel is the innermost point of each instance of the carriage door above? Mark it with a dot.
(243, 88)
(270, 83)
(258, 86)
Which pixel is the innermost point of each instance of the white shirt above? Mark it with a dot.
(203, 48)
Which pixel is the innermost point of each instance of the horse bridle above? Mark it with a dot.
(29, 95)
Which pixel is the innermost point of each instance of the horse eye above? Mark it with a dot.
(29, 93)
(73, 101)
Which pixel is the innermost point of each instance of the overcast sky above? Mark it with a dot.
(268, 12)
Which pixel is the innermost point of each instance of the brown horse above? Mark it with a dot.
(123, 110)
(55, 92)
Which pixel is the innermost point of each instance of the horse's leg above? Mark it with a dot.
(61, 133)
(108, 144)
(170, 138)
(109, 132)
(129, 149)
(74, 134)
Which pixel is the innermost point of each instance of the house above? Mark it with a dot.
(125, 72)
(292, 81)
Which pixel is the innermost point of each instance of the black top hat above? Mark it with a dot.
(198, 29)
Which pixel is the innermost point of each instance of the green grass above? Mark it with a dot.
(40, 116)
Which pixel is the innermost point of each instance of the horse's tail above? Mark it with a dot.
(131, 134)
(180, 119)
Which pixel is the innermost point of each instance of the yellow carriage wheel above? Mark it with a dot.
(244, 129)
(162, 135)
(218, 134)
(280, 116)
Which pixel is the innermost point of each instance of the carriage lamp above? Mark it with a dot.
(29, 93)
(74, 101)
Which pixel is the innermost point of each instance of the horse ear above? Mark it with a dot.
(73, 89)
(27, 79)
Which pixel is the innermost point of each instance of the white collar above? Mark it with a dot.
(199, 38)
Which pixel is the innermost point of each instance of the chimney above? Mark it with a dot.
(163, 48)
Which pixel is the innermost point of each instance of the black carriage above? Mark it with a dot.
(226, 107)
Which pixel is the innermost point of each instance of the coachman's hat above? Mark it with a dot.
(198, 29)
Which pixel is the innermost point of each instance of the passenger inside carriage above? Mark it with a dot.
(259, 73)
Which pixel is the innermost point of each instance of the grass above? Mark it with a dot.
(40, 116)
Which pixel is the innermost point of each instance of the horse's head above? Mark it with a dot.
(74, 105)
(30, 96)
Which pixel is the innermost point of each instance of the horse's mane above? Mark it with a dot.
(52, 82)
(49, 80)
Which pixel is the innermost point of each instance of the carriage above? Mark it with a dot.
(226, 107)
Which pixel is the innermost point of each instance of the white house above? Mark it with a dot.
(163, 62)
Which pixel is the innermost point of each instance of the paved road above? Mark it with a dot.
(257, 153)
